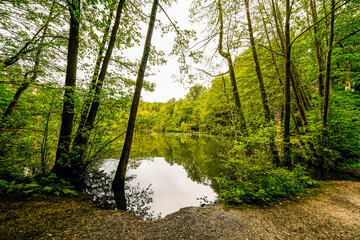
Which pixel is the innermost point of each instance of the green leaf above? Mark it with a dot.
(32, 185)
(48, 189)
(67, 191)
(3, 183)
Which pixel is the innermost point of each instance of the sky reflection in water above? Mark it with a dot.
(172, 187)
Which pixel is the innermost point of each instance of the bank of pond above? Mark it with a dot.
(169, 171)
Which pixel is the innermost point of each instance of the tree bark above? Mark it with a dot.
(318, 51)
(118, 184)
(62, 166)
(227, 56)
(264, 99)
(287, 79)
(328, 67)
(348, 75)
(271, 48)
(278, 25)
(81, 140)
(99, 60)
(230, 107)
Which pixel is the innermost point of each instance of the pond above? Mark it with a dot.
(167, 172)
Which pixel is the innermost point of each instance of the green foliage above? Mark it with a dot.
(342, 145)
(254, 180)
(46, 185)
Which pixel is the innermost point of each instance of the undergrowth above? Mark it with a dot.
(34, 187)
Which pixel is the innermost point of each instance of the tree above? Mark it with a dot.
(118, 184)
(286, 131)
(227, 56)
(328, 67)
(318, 49)
(76, 157)
(35, 70)
(62, 165)
(264, 97)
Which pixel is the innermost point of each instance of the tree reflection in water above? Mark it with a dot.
(98, 185)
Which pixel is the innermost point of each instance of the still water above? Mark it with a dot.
(169, 172)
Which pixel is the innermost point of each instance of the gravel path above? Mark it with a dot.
(332, 214)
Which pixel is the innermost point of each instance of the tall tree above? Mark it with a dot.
(81, 140)
(264, 97)
(118, 184)
(61, 167)
(287, 79)
(227, 56)
(328, 66)
(318, 50)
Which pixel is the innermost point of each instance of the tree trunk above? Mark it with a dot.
(287, 79)
(227, 55)
(328, 67)
(44, 143)
(81, 140)
(298, 101)
(348, 75)
(318, 51)
(271, 49)
(264, 98)
(230, 107)
(118, 184)
(62, 166)
(278, 25)
(90, 95)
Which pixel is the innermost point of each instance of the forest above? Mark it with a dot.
(278, 82)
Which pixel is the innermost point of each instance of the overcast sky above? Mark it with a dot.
(166, 88)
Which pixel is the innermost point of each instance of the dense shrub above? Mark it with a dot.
(341, 146)
(253, 179)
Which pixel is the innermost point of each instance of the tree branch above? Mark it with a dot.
(298, 36)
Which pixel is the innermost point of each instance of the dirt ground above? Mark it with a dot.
(332, 214)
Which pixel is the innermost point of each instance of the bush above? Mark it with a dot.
(255, 180)
(342, 146)
(46, 185)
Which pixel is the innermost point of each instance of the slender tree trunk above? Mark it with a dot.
(264, 99)
(118, 185)
(328, 67)
(227, 56)
(44, 143)
(287, 80)
(90, 95)
(348, 75)
(271, 49)
(62, 166)
(318, 51)
(304, 97)
(298, 101)
(230, 107)
(81, 140)
(303, 145)
(278, 25)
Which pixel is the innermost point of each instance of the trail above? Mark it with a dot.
(332, 214)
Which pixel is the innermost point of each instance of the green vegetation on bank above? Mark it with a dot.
(283, 89)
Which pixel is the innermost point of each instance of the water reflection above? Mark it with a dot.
(198, 155)
(98, 184)
(171, 185)
(179, 168)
